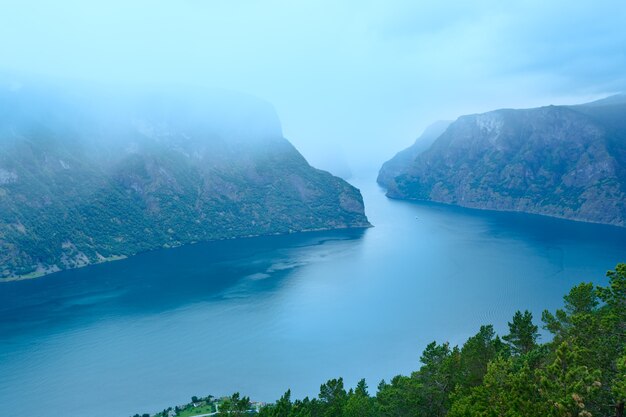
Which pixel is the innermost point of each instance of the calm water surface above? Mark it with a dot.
(266, 314)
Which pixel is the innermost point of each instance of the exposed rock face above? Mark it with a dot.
(567, 162)
(85, 179)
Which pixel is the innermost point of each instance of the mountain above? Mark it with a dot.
(561, 161)
(88, 175)
(396, 165)
(610, 100)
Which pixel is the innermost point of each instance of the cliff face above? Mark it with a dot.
(559, 161)
(84, 179)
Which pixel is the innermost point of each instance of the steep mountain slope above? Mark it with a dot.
(396, 165)
(562, 161)
(87, 177)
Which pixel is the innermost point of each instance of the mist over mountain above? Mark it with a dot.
(88, 175)
(561, 161)
(398, 163)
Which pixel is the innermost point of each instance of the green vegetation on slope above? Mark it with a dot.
(561, 161)
(80, 184)
(581, 372)
(233, 406)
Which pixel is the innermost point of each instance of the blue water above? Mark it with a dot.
(265, 314)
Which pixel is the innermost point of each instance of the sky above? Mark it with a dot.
(352, 81)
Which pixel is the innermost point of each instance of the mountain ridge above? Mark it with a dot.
(560, 161)
(97, 177)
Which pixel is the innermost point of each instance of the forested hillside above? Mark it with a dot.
(90, 176)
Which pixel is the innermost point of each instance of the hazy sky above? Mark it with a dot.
(358, 77)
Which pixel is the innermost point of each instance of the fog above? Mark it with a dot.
(66, 109)
(353, 82)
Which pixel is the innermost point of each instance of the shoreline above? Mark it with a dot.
(486, 209)
(35, 275)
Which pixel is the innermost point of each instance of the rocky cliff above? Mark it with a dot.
(87, 177)
(561, 161)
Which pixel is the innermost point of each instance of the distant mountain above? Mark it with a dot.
(561, 161)
(331, 158)
(396, 165)
(89, 176)
(610, 100)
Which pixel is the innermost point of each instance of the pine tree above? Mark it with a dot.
(566, 384)
(359, 403)
(523, 334)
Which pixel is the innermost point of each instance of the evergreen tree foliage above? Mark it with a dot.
(580, 372)
(523, 334)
